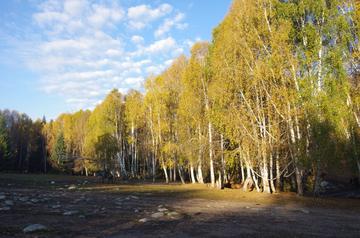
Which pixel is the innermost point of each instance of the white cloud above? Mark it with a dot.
(80, 56)
(170, 23)
(105, 15)
(74, 7)
(137, 39)
(141, 15)
(161, 46)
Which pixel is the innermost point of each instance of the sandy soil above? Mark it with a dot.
(83, 207)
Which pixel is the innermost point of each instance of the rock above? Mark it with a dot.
(174, 215)
(82, 216)
(72, 187)
(24, 199)
(163, 209)
(303, 210)
(157, 215)
(5, 208)
(143, 220)
(55, 206)
(9, 203)
(2, 197)
(136, 210)
(52, 182)
(70, 213)
(133, 197)
(324, 184)
(34, 200)
(34, 228)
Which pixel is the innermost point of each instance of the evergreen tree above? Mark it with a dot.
(58, 155)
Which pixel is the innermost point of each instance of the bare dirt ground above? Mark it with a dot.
(82, 207)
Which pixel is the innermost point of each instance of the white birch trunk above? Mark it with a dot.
(211, 160)
(278, 181)
(199, 166)
(200, 177)
(255, 180)
(192, 173)
(223, 159)
(165, 173)
(265, 177)
(181, 175)
(272, 185)
(242, 171)
(170, 174)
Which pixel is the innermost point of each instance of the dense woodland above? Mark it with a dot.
(273, 102)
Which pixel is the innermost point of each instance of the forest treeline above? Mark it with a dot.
(273, 101)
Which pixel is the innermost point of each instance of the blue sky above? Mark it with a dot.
(61, 56)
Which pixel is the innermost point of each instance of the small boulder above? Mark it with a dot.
(24, 199)
(9, 203)
(70, 213)
(174, 215)
(34, 228)
(157, 215)
(72, 187)
(143, 220)
(34, 200)
(303, 210)
(163, 209)
(5, 208)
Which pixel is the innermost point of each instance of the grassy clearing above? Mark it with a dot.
(187, 191)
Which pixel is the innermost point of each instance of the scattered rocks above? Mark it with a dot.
(157, 215)
(72, 187)
(9, 203)
(303, 210)
(174, 215)
(34, 228)
(5, 208)
(143, 220)
(34, 200)
(131, 197)
(324, 184)
(163, 209)
(70, 213)
(23, 199)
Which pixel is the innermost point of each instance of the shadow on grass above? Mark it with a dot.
(200, 211)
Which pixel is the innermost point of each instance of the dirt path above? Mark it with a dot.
(87, 209)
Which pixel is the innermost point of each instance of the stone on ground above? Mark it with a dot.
(5, 208)
(143, 220)
(157, 215)
(70, 213)
(34, 227)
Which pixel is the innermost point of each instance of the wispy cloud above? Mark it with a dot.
(82, 50)
(142, 15)
(169, 23)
